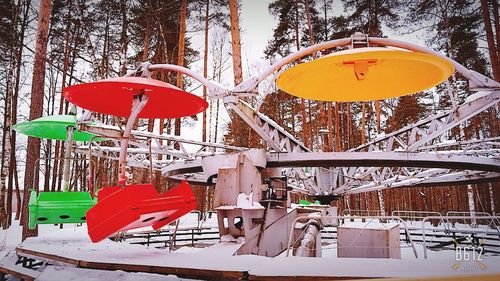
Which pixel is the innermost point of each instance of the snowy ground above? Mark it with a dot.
(73, 242)
(73, 274)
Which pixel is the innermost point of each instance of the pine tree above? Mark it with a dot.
(408, 111)
(284, 35)
(36, 106)
(492, 47)
(9, 18)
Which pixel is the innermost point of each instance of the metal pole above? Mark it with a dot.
(137, 105)
(67, 156)
(214, 89)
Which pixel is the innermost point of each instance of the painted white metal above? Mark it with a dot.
(307, 247)
(365, 241)
(67, 157)
(137, 105)
(370, 218)
(424, 136)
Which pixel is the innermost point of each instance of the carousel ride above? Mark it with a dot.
(416, 155)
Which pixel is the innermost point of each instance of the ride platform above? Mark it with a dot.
(218, 262)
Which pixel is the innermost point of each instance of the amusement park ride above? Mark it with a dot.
(416, 155)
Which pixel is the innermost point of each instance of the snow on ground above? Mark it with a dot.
(53, 273)
(73, 242)
(8, 260)
(220, 257)
(355, 267)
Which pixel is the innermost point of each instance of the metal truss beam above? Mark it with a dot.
(419, 154)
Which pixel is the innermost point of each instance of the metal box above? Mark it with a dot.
(368, 240)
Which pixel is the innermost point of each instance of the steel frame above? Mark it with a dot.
(415, 155)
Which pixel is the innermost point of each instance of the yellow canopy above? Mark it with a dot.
(365, 74)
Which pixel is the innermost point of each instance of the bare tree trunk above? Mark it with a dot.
(491, 41)
(48, 154)
(7, 122)
(304, 128)
(497, 28)
(330, 127)
(349, 128)
(309, 24)
(235, 41)
(57, 149)
(363, 123)
(123, 38)
(15, 95)
(381, 204)
(161, 126)
(492, 198)
(18, 193)
(36, 108)
(311, 41)
(237, 124)
(48, 142)
(145, 57)
(337, 127)
(105, 48)
(470, 197)
(180, 59)
(205, 71)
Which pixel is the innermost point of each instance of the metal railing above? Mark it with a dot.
(446, 219)
(414, 215)
(361, 212)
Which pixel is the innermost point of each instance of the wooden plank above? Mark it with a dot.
(485, 277)
(20, 275)
(179, 271)
(305, 278)
(45, 256)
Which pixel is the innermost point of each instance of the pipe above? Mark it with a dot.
(308, 242)
(138, 104)
(67, 156)
(214, 89)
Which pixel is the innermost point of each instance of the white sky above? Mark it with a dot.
(256, 26)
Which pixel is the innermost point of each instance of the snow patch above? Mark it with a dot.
(188, 250)
(231, 238)
(243, 202)
(52, 273)
(246, 202)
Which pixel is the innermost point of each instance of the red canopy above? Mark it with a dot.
(114, 97)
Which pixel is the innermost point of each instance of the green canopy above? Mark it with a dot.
(52, 127)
